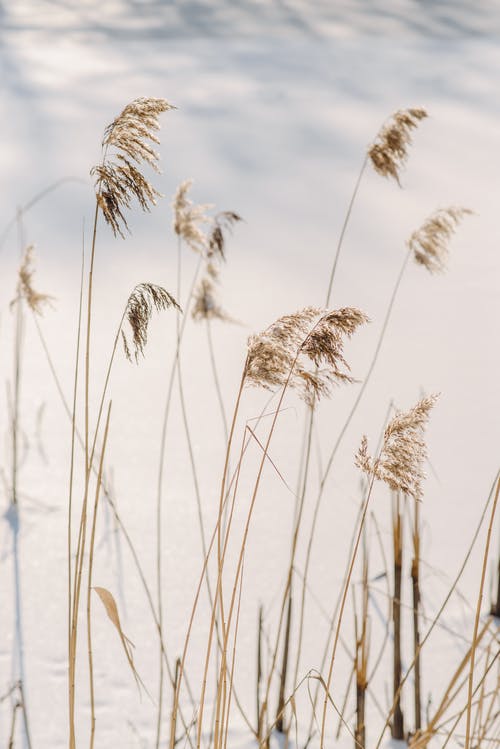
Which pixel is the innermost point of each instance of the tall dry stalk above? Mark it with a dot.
(362, 648)
(89, 581)
(415, 578)
(126, 143)
(280, 716)
(398, 731)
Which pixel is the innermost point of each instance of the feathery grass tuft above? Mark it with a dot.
(429, 243)
(403, 451)
(118, 181)
(145, 298)
(312, 336)
(35, 301)
(188, 217)
(389, 152)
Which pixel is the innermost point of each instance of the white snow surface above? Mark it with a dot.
(276, 104)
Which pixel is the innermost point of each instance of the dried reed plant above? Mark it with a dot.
(399, 464)
(389, 152)
(403, 451)
(118, 180)
(316, 336)
(144, 299)
(205, 303)
(25, 289)
(294, 348)
(429, 243)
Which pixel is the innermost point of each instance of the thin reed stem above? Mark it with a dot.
(218, 388)
(210, 546)
(72, 416)
(343, 230)
(83, 517)
(343, 431)
(342, 607)
(180, 327)
(415, 576)
(89, 582)
(397, 536)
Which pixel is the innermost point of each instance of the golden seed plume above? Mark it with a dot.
(304, 349)
(128, 139)
(145, 298)
(403, 451)
(389, 151)
(429, 243)
(35, 301)
(188, 217)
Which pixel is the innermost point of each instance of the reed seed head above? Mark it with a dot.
(144, 299)
(206, 306)
(35, 301)
(429, 243)
(389, 152)
(303, 351)
(223, 222)
(403, 450)
(126, 140)
(188, 217)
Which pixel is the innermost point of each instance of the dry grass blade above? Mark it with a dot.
(429, 244)
(109, 604)
(188, 217)
(35, 301)
(304, 349)
(389, 152)
(145, 298)
(118, 180)
(403, 451)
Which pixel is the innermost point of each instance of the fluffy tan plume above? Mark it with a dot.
(35, 301)
(145, 298)
(304, 349)
(389, 152)
(403, 450)
(126, 144)
(189, 217)
(429, 243)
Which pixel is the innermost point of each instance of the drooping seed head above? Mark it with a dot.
(223, 222)
(389, 152)
(144, 299)
(128, 139)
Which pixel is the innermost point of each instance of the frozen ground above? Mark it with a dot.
(276, 105)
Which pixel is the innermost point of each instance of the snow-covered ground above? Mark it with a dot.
(276, 104)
